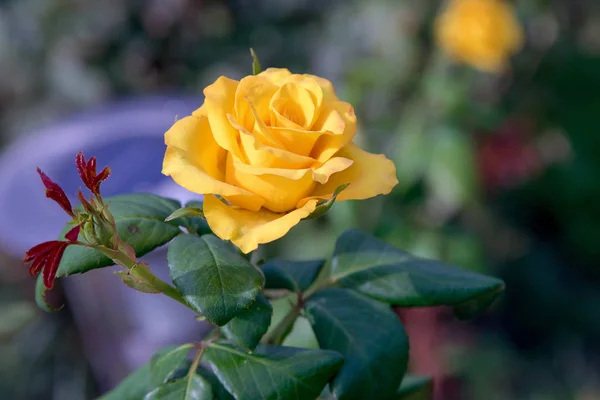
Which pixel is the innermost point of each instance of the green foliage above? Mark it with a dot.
(273, 372)
(361, 349)
(376, 269)
(40, 296)
(369, 336)
(140, 220)
(134, 387)
(324, 205)
(256, 68)
(248, 327)
(191, 217)
(216, 282)
(192, 387)
(164, 365)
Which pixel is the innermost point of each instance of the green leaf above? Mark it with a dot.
(291, 275)
(196, 225)
(215, 281)
(324, 205)
(138, 383)
(193, 387)
(164, 365)
(186, 212)
(369, 336)
(140, 220)
(255, 63)
(376, 269)
(219, 391)
(134, 387)
(415, 387)
(249, 326)
(272, 372)
(40, 296)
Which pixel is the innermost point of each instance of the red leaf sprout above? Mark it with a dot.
(55, 192)
(87, 172)
(45, 257)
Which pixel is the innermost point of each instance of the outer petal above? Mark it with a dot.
(332, 166)
(194, 137)
(280, 193)
(195, 161)
(247, 229)
(219, 101)
(369, 176)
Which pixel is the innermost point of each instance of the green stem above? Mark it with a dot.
(322, 281)
(161, 285)
(144, 273)
(278, 334)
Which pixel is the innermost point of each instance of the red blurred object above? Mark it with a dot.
(428, 336)
(508, 156)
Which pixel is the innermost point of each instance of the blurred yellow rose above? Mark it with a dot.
(272, 146)
(482, 33)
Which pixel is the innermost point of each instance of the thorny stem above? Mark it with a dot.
(145, 273)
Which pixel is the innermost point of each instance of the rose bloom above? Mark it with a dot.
(271, 146)
(482, 33)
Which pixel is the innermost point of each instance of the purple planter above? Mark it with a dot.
(121, 327)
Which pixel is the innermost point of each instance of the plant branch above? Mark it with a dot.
(143, 273)
(278, 334)
(197, 358)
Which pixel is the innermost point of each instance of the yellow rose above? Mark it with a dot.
(272, 146)
(482, 33)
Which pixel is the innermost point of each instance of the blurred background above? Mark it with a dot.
(499, 170)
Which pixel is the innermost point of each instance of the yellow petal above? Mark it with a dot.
(308, 82)
(292, 106)
(193, 136)
(326, 87)
(320, 174)
(219, 99)
(332, 166)
(368, 176)
(200, 111)
(293, 174)
(261, 155)
(195, 179)
(258, 99)
(298, 141)
(252, 99)
(247, 229)
(275, 74)
(280, 193)
(241, 108)
(340, 122)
